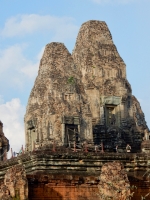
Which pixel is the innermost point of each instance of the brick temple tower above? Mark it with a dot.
(84, 97)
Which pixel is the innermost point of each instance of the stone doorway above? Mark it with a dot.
(71, 136)
(110, 115)
(98, 134)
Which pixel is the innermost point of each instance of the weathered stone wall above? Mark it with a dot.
(66, 187)
(15, 184)
(88, 192)
(62, 171)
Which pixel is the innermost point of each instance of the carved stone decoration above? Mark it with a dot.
(16, 182)
(5, 193)
(114, 183)
(109, 88)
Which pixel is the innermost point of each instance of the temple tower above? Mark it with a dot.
(84, 97)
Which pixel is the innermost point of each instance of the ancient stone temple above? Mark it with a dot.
(80, 110)
(4, 144)
(84, 97)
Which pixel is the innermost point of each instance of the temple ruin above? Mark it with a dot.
(84, 97)
(81, 116)
(4, 144)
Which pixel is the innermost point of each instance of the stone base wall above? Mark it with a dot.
(79, 192)
(74, 187)
(63, 192)
(143, 188)
(76, 175)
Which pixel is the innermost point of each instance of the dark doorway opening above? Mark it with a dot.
(110, 115)
(71, 134)
(98, 134)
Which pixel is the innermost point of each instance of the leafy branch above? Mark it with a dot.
(71, 80)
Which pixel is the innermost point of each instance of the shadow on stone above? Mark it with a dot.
(43, 192)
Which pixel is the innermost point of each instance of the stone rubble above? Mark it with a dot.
(15, 184)
(114, 183)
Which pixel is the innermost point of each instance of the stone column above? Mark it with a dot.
(27, 140)
(41, 134)
(102, 115)
(51, 130)
(29, 143)
(26, 134)
(122, 110)
(48, 131)
(33, 145)
(117, 114)
(37, 135)
(63, 133)
(123, 116)
(79, 128)
(44, 130)
(89, 132)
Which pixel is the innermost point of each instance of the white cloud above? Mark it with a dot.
(13, 63)
(40, 54)
(16, 67)
(114, 1)
(1, 99)
(27, 24)
(11, 114)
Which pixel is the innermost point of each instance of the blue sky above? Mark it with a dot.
(27, 26)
